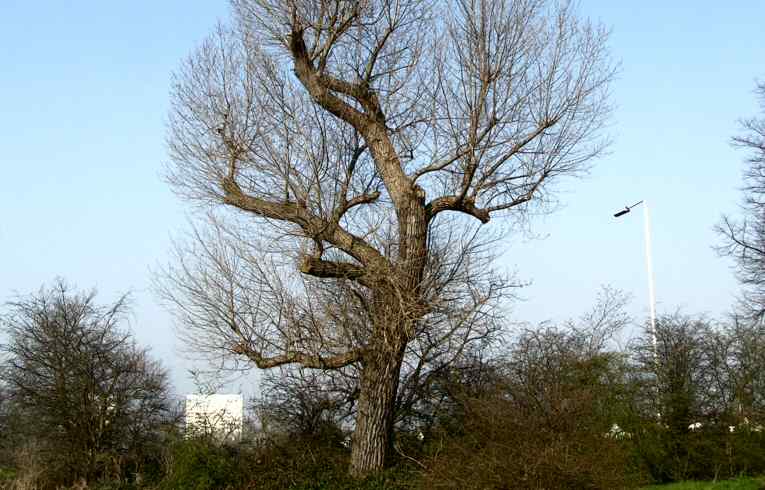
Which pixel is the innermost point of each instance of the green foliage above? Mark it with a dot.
(7, 474)
(199, 464)
(288, 463)
(700, 376)
(706, 454)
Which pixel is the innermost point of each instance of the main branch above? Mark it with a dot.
(312, 361)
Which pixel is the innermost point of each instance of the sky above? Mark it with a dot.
(83, 104)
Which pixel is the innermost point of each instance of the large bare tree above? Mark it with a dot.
(364, 144)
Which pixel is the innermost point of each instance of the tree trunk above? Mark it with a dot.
(395, 313)
(373, 437)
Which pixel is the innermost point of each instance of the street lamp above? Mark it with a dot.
(648, 266)
(627, 209)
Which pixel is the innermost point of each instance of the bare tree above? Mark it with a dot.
(538, 414)
(548, 363)
(744, 239)
(344, 131)
(739, 368)
(90, 397)
(684, 373)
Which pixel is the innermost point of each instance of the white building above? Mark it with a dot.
(219, 415)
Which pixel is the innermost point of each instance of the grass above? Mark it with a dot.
(7, 474)
(737, 484)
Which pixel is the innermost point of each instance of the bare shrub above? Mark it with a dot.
(88, 400)
(544, 417)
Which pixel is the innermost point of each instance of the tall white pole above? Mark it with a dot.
(649, 272)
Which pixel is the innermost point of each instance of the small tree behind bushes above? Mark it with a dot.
(543, 416)
(86, 400)
(694, 408)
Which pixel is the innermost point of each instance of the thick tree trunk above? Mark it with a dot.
(373, 437)
(395, 313)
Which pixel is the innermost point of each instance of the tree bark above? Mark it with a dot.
(373, 436)
(396, 311)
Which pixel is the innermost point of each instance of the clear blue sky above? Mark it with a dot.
(83, 99)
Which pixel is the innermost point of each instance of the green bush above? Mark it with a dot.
(544, 426)
(200, 464)
(7, 474)
(710, 453)
(301, 463)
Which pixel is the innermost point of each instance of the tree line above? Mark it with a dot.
(546, 406)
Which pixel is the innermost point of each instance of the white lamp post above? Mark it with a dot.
(648, 266)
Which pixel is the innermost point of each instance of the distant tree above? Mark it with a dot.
(698, 397)
(91, 398)
(543, 415)
(701, 370)
(744, 239)
(677, 369)
(736, 359)
(356, 139)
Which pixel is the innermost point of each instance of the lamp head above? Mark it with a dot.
(622, 212)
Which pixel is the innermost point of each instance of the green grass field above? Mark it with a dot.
(737, 484)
